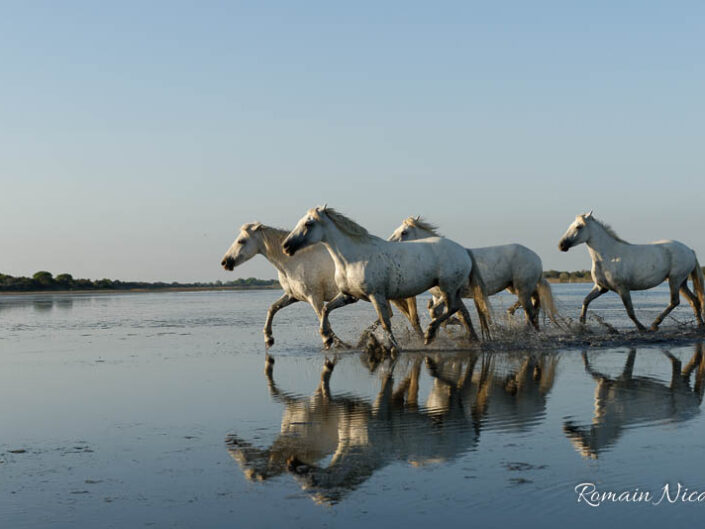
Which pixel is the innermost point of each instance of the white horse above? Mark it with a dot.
(510, 266)
(620, 266)
(370, 268)
(308, 276)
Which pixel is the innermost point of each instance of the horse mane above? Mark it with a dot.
(609, 230)
(344, 224)
(423, 224)
(271, 237)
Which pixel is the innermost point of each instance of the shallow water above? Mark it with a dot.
(128, 410)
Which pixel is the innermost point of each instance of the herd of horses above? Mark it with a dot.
(330, 261)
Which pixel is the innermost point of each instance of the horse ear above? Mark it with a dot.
(588, 215)
(325, 206)
(418, 218)
(256, 226)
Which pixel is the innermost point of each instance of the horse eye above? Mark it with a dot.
(241, 241)
(308, 223)
(404, 233)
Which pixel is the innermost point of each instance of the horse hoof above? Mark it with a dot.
(327, 342)
(654, 327)
(269, 341)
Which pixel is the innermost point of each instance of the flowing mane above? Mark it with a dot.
(609, 230)
(423, 224)
(344, 224)
(271, 237)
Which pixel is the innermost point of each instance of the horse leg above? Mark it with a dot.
(408, 308)
(326, 372)
(694, 302)
(384, 312)
(627, 300)
(530, 313)
(451, 308)
(435, 306)
(629, 365)
(511, 310)
(325, 331)
(596, 292)
(675, 301)
(319, 306)
(279, 304)
(464, 317)
(484, 324)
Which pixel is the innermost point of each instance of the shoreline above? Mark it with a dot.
(133, 290)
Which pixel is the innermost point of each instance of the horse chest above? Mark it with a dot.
(606, 274)
(352, 280)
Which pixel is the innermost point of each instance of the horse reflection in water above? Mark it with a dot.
(362, 436)
(627, 400)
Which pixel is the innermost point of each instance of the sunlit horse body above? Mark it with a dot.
(510, 266)
(375, 270)
(307, 276)
(621, 267)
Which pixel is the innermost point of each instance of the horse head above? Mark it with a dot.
(577, 233)
(413, 228)
(245, 247)
(308, 231)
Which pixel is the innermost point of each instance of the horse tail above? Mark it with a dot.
(479, 295)
(543, 287)
(699, 285)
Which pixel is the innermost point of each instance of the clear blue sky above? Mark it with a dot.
(136, 137)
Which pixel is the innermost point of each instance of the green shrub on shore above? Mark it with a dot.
(44, 280)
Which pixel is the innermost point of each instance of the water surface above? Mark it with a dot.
(129, 410)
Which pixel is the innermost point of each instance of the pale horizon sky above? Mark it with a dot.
(137, 137)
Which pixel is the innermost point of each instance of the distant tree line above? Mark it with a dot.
(568, 277)
(44, 280)
(573, 277)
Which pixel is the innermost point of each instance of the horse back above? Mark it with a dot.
(507, 264)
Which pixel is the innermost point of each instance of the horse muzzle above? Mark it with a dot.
(228, 263)
(564, 246)
(289, 247)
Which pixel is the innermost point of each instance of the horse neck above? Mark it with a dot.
(272, 247)
(601, 243)
(343, 248)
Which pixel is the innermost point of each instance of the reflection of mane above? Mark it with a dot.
(609, 230)
(421, 223)
(345, 224)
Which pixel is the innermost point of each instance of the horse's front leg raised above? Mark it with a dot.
(438, 319)
(279, 304)
(326, 332)
(596, 292)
